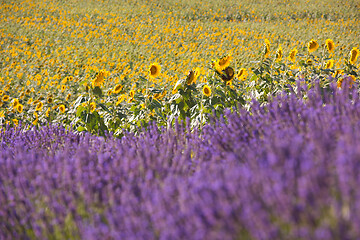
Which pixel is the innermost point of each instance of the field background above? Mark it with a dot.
(51, 50)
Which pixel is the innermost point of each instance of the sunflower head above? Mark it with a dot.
(92, 106)
(62, 108)
(330, 46)
(19, 108)
(292, 55)
(242, 74)
(206, 90)
(312, 46)
(117, 88)
(354, 54)
(5, 98)
(15, 103)
(228, 74)
(100, 78)
(192, 76)
(329, 64)
(279, 54)
(224, 62)
(154, 70)
(39, 106)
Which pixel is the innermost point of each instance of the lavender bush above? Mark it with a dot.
(287, 170)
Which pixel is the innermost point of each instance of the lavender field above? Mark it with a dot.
(286, 170)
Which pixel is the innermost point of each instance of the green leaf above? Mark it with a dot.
(104, 107)
(81, 129)
(80, 110)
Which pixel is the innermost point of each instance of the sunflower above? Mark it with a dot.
(132, 93)
(39, 106)
(338, 72)
(292, 55)
(62, 108)
(63, 88)
(228, 74)
(267, 48)
(312, 46)
(354, 53)
(224, 62)
(92, 106)
(309, 62)
(68, 97)
(121, 99)
(5, 98)
(15, 103)
(154, 70)
(206, 90)
(50, 100)
(117, 88)
(19, 108)
(36, 118)
(279, 54)
(193, 75)
(99, 79)
(215, 65)
(329, 64)
(15, 121)
(330, 46)
(242, 74)
(47, 112)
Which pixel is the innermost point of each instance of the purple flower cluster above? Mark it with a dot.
(287, 170)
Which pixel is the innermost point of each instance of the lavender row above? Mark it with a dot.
(287, 170)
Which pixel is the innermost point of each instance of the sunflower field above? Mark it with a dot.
(162, 119)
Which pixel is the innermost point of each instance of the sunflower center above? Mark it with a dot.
(153, 70)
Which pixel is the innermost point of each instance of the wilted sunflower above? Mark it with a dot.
(154, 70)
(267, 48)
(292, 55)
(354, 53)
(62, 108)
(117, 88)
(279, 54)
(330, 46)
(228, 74)
(206, 90)
(224, 62)
(312, 46)
(242, 74)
